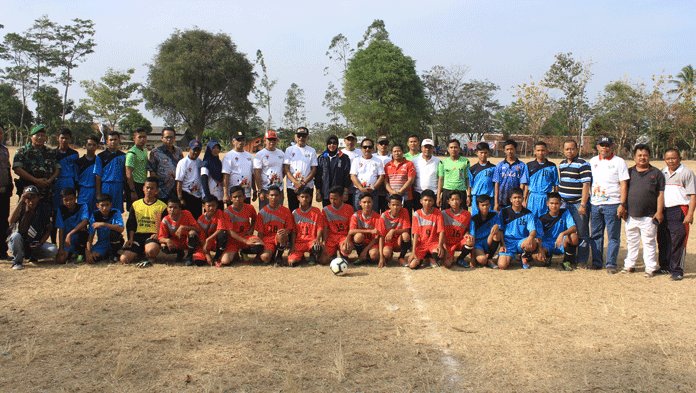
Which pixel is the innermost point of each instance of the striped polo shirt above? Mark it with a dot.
(573, 175)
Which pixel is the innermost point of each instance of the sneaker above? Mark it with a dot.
(676, 277)
(402, 262)
(434, 263)
(280, 262)
(463, 263)
(648, 274)
(525, 263)
(246, 258)
(492, 264)
(358, 262)
(611, 270)
(312, 259)
(595, 267)
(113, 259)
(144, 264)
(19, 266)
(33, 262)
(627, 270)
(547, 262)
(662, 271)
(189, 261)
(566, 267)
(80, 259)
(218, 264)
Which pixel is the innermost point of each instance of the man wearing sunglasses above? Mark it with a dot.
(237, 171)
(299, 166)
(367, 172)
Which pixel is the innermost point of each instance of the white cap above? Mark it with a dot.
(427, 142)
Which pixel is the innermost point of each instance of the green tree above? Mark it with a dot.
(49, 107)
(82, 125)
(133, 120)
(620, 114)
(12, 111)
(536, 106)
(17, 51)
(383, 94)
(42, 36)
(479, 108)
(200, 77)
(111, 99)
(571, 78)
(685, 86)
(509, 120)
(72, 44)
(332, 101)
(262, 93)
(294, 114)
(445, 90)
(377, 31)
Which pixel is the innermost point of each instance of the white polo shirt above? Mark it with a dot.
(301, 161)
(352, 154)
(367, 170)
(679, 186)
(606, 175)
(426, 173)
(271, 165)
(238, 164)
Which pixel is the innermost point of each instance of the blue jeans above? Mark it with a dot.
(582, 223)
(605, 215)
(16, 245)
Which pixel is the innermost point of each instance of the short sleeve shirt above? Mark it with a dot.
(456, 225)
(163, 164)
(455, 174)
(169, 226)
(239, 165)
(271, 165)
(188, 172)
(308, 224)
(428, 227)
(137, 159)
(606, 175)
(643, 190)
(358, 221)
(219, 221)
(508, 176)
(481, 179)
(270, 221)
(389, 222)
(679, 186)
(398, 174)
(518, 225)
(555, 225)
(367, 170)
(426, 173)
(573, 175)
(301, 160)
(338, 221)
(541, 177)
(240, 221)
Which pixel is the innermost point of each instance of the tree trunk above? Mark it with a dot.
(65, 97)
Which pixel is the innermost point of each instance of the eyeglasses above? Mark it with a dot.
(301, 136)
(368, 147)
(384, 143)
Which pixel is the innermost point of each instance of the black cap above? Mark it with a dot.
(302, 131)
(239, 136)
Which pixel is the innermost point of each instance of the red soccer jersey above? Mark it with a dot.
(168, 227)
(308, 224)
(456, 225)
(338, 221)
(398, 175)
(269, 221)
(428, 227)
(357, 221)
(388, 222)
(240, 221)
(219, 221)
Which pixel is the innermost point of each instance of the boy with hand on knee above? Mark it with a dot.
(179, 232)
(274, 224)
(485, 230)
(560, 234)
(363, 229)
(308, 235)
(107, 224)
(395, 228)
(71, 220)
(428, 233)
(521, 231)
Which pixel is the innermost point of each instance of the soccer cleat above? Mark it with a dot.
(676, 277)
(218, 264)
(662, 271)
(492, 264)
(358, 262)
(180, 257)
(547, 262)
(566, 267)
(33, 261)
(312, 259)
(611, 270)
(189, 261)
(19, 266)
(245, 258)
(463, 263)
(402, 262)
(279, 262)
(144, 264)
(80, 259)
(525, 263)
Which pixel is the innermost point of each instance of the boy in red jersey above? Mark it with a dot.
(242, 217)
(428, 230)
(394, 228)
(274, 223)
(457, 221)
(337, 221)
(178, 232)
(214, 225)
(363, 228)
(308, 235)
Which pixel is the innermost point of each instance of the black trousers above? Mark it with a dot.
(293, 202)
(671, 239)
(138, 190)
(193, 204)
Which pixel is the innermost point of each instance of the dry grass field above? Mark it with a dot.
(250, 328)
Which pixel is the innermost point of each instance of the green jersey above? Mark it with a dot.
(137, 159)
(455, 173)
(410, 156)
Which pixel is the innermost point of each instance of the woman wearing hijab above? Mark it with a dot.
(211, 172)
(333, 170)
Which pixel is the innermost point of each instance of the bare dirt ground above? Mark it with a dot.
(262, 329)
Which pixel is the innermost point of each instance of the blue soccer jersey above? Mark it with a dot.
(508, 176)
(110, 166)
(67, 221)
(480, 227)
(103, 244)
(554, 225)
(517, 226)
(541, 177)
(86, 182)
(481, 179)
(67, 176)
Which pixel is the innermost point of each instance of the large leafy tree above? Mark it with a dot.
(479, 108)
(133, 120)
(262, 93)
(383, 93)
(620, 113)
(445, 90)
(17, 49)
(111, 99)
(49, 107)
(570, 76)
(533, 101)
(294, 114)
(72, 45)
(201, 78)
(12, 111)
(685, 84)
(42, 36)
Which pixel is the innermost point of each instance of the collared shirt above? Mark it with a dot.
(410, 156)
(5, 175)
(398, 174)
(368, 170)
(606, 177)
(643, 191)
(238, 164)
(455, 174)
(508, 176)
(300, 161)
(542, 177)
(271, 164)
(426, 173)
(573, 175)
(163, 163)
(136, 158)
(679, 186)
(40, 163)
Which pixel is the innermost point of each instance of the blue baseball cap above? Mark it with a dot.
(195, 144)
(607, 140)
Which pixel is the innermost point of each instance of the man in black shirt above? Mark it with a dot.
(32, 217)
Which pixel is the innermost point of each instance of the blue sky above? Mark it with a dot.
(504, 42)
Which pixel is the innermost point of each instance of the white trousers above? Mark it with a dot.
(643, 229)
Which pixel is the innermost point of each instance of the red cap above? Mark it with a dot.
(271, 134)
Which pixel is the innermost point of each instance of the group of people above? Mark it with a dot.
(393, 201)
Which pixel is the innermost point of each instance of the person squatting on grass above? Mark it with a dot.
(337, 217)
(179, 232)
(364, 229)
(484, 227)
(520, 231)
(107, 224)
(31, 227)
(214, 225)
(242, 217)
(428, 230)
(308, 235)
(71, 220)
(394, 228)
(560, 234)
(274, 224)
(457, 222)
(144, 218)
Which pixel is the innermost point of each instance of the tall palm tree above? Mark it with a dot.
(685, 84)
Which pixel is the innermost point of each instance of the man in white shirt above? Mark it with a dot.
(608, 198)
(384, 156)
(350, 140)
(188, 180)
(268, 168)
(299, 166)
(367, 172)
(680, 201)
(426, 172)
(237, 171)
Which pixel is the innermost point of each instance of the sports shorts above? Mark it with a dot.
(512, 247)
(550, 245)
(300, 249)
(482, 245)
(139, 242)
(422, 249)
(333, 243)
(452, 248)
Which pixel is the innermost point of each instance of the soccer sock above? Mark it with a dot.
(493, 248)
(280, 250)
(464, 252)
(404, 248)
(255, 249)
(527, 255)
(359, 247)
(570, 253)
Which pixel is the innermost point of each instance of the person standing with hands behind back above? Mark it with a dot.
(136, 167)
(367, 172)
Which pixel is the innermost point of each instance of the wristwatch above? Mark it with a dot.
(622, 204)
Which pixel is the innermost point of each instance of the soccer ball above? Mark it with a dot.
(338, 266)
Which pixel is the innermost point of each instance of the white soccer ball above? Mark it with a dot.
(338, 266)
